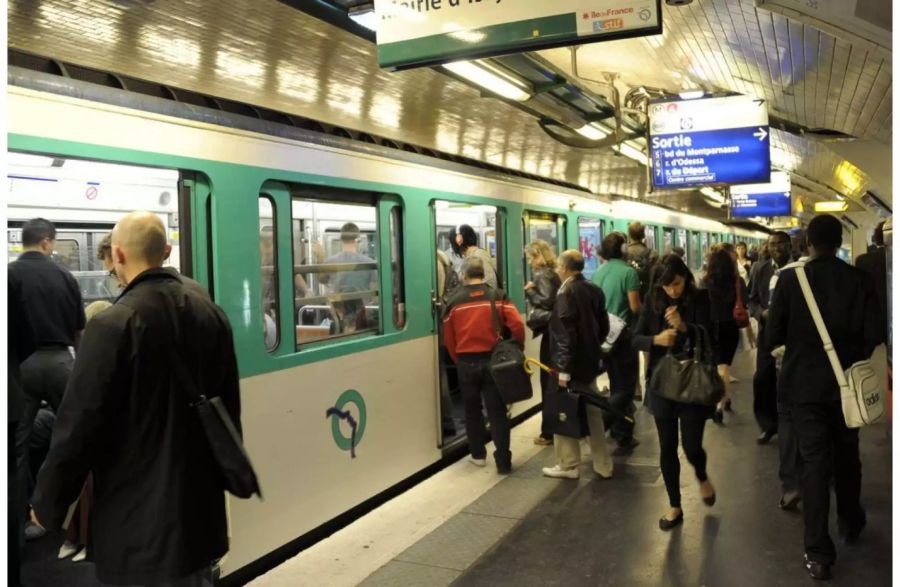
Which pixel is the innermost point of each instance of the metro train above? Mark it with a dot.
(257, 217)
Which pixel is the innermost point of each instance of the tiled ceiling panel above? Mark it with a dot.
(268, 54)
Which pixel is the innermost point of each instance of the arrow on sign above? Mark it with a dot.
(761, 134)
(759, 101)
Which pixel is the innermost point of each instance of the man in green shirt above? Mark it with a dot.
(621, 286)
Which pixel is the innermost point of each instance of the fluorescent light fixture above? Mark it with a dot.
(28, 160)
(593, 131)
(713, 195)
(831, 206)
(364, 17)
(631, 152)
(489, 79)
(691, 94)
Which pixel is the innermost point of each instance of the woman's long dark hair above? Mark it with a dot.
(664, 273)
(470, 238)
(721, 272)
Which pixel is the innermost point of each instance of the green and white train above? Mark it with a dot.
(256, 212)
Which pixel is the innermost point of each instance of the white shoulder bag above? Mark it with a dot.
(862, 400)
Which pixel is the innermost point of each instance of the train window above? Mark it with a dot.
(84, 199)
(268, 258)
(704, 245)
(650, 237)
(399, 302)
(546, 227)
(336, 283)
(484, 220)
(668, 240)
(590, 233)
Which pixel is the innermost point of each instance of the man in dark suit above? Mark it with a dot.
(875, 264)
(807, 383)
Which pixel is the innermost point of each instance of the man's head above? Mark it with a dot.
(473, 271)
(636, 232)
(824, 235)
(741, 250)
(779, 247)
(138, 243)
(104, 253)
(611, 246)
(39, 234)
(677, 250)
(349, 236)
(569, 264)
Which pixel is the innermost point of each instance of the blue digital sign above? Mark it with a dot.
(770, 204)
(732, 156)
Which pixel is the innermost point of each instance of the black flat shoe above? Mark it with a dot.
(718, 417)
(728, 406)
(790, 500)
(765, 437)
(667, 524)
(818, 571)
(710, 501)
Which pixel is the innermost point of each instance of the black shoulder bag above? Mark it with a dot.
(225, 443)
(693, 379)
(507, 363)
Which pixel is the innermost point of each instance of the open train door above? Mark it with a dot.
(196, 228)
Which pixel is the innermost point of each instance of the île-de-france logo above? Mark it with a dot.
(350, 407)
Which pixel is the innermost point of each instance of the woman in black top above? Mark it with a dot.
(722, 282)
(541, 294)
(672, 306)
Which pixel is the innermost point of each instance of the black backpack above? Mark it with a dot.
(643, 264)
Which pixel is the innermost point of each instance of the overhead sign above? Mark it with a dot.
(414, 33)
(766, 199)
(709, 141)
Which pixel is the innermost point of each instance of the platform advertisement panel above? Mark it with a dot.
(709, 141)
(416, 33)
(767, 199)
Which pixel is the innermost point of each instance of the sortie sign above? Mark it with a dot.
(414, 33)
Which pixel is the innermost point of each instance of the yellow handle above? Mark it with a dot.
(530, 370)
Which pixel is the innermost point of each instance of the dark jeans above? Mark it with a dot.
(475, 383)
(790, 465)
(622, 368)
(764, 390)
(546, 406)
(692, 424)
(44, 377)
(826, 445)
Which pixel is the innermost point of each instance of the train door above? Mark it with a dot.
(550, 228)
(447, 217)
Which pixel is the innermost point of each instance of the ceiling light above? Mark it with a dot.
(713, 195)
(831, 206)
(631, 152)
(364, 16)
(28, 160)
(691, 94)
(593, 131)
(490, 79)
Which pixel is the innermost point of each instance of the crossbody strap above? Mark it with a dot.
(820, 326)
(182, 377)
(495, 315)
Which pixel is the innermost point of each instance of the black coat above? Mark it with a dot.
(875, 265)
(694, 312)
(850, 311)
(760, 277)
(542, 297)
(20, 343)
(159, 505)
(578, 326)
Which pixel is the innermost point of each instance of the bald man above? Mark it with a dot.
(578, 327)
(159, 505)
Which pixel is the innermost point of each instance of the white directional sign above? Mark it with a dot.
(709, 141)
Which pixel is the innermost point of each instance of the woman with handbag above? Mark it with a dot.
(541, 294)
(673, 318)
(728, 314)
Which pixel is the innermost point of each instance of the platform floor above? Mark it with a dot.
(530, 530)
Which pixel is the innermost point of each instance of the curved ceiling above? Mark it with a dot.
(268, 54)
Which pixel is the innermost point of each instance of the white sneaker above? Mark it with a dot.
(66, 550)
(558, 472)
(733, 379)
(80, 556)
(478, 462)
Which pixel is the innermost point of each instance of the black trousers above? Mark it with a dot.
(826, 446)
(765, 393)
(15, 509)
(622, 367)
(790, 465)
(476, 383)
(546, 406)
(202, 578)
(692, 424)
(44, 377)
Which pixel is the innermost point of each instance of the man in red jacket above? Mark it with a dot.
(470, 336)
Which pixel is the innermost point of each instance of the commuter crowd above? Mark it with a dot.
(688, 331)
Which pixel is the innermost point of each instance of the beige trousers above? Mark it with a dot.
(568, 450)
